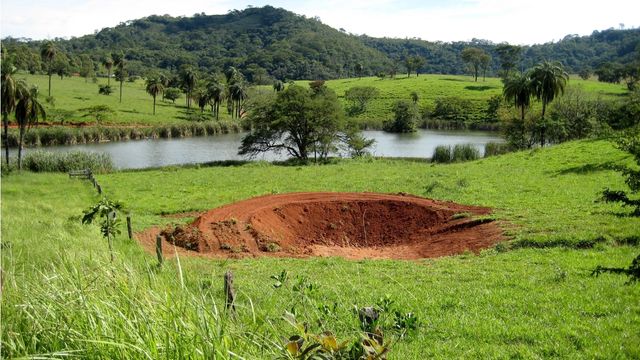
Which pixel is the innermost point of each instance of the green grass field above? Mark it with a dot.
(533, 298)
(74, 93)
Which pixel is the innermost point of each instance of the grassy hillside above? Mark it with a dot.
(73, 93)
(531, 299)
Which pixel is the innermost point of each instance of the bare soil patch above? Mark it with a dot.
(350, 225)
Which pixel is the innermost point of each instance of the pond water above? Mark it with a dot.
(162, 152)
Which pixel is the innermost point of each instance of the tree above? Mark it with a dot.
(510, 56)
(359, 96)
(548, 81)
(121, 73)
(154, 87)
(418, 63)
(9, 98)
(630, 144)
(172, 94)
(413, 63)
(519, 90)
(296, 120)
(99, 112)
(585, 73)
(358, 69)
(28, 112)
(278, 85)
(188, 81)
(485, 61)
(87, 68)
(48, 53)
(355, 143)
(474, 57)
(237, 94)
(215, 92)
(107, 62)
(404, 119)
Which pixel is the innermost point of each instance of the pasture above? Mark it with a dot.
(531, 297)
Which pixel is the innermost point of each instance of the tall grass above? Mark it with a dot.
(457, 153)
(46, 161)
(58, 135)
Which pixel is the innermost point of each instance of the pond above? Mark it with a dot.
(162, 152)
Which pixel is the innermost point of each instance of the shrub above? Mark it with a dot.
(172, 94)
(452, 108)
(493, 149)
(104, 90)
(45, 161)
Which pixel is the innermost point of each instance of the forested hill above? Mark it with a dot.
(268, 42)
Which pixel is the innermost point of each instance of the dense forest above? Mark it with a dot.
(270, 43)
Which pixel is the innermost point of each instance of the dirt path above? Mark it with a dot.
(350, 225)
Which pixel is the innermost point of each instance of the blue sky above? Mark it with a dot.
(514, 21)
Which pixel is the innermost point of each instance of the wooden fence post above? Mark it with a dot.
(229, 292)
(159, 249)
(129, 231)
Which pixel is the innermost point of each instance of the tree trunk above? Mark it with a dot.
(121, 91)
(475, 73)
(5, 125)
(542, 128)
(109, 77)
(49, 83)
(154, 105)
(20, 139)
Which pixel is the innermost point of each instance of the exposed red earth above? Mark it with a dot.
(349, 225)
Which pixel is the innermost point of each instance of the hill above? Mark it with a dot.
(270, 42)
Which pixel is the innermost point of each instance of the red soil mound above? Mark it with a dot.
(351, 225)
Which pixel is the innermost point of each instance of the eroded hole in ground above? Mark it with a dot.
(352, 225)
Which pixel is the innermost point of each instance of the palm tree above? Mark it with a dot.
(28, 112)
(237, 94)
(108, 64)
(47, 53)
(215, 93)
(548, 81)
(154, 87)
(519, 90)
(164, 80)
(8, 100)
(121, 73)
(189, 79)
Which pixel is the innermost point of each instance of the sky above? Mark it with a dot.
(514, 21)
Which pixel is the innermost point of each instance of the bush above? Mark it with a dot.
(493, 149)
(45, 161)
(104, 90)
(452, 108)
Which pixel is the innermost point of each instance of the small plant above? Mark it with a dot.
(108, 211)
(405, 321)
(280, 279)
(98, 112)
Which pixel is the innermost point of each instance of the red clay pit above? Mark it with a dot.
(350, 225)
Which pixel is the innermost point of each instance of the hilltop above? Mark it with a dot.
(270, 42)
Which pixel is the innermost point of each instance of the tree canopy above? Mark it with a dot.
(298, 120)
